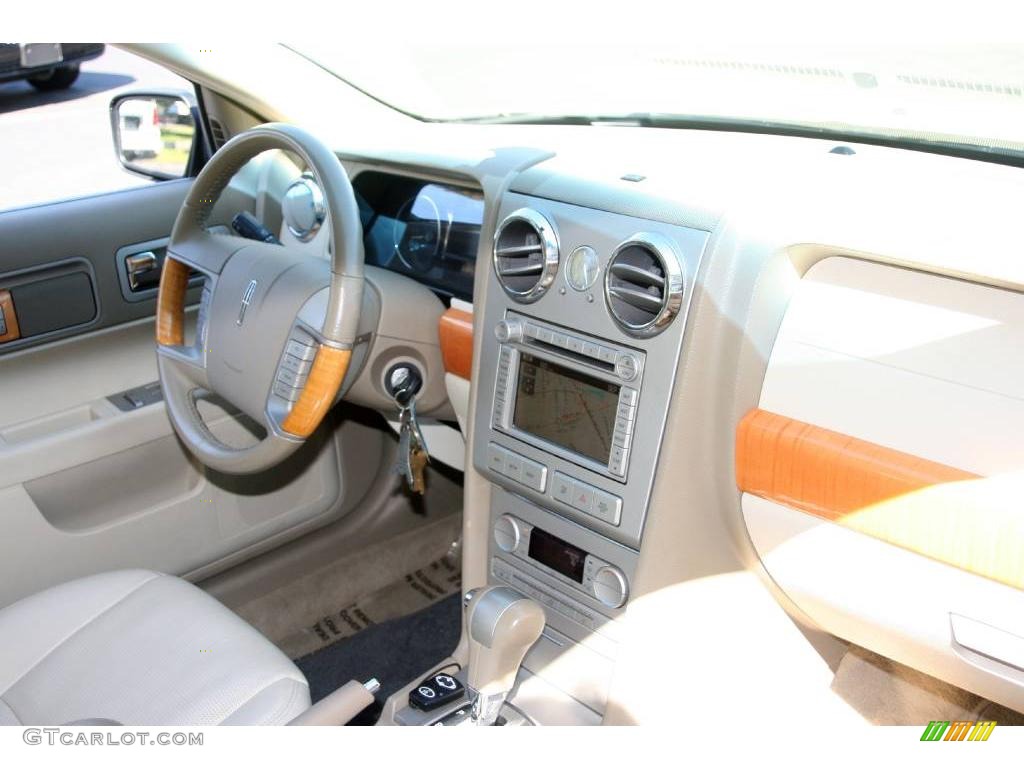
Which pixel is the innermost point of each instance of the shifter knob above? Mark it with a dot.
(502, 625)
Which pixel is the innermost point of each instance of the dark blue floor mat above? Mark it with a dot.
(395, 652)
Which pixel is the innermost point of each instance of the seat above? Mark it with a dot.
(139, 648)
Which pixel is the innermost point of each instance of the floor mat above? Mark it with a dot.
(413, 592)
(886, 692)
(395, 651)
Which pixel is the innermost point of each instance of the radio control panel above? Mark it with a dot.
(568, 394)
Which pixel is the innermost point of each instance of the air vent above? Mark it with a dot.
(220, 136)
(525, 255)
(643, 284)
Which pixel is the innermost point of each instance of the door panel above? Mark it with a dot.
(39, 239)
(86, 486)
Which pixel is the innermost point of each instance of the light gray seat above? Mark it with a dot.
(139, 648)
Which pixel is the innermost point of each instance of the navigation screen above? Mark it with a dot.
(567, 408)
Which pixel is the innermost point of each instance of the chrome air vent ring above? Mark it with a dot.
(643, 284)
(525, 255)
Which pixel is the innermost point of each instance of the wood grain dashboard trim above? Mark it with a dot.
(941, 512)
(170, 303)
(826, 473)
(455, 330)
(10, 318)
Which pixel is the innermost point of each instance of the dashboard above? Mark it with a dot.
(426, 230)
(628, 454)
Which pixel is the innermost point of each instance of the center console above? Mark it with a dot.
(583, 326)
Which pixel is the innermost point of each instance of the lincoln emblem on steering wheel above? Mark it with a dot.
(250, 289)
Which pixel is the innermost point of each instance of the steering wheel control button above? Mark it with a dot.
(436, 691)
(294, 369)
(296, 364)
(291, 378)
(286, 392)
(302, 351)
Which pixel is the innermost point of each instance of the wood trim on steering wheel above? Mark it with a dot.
(170, 303)
(318, 395)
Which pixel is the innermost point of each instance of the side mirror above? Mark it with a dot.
(154, 133)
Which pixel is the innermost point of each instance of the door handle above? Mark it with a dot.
(143, 270)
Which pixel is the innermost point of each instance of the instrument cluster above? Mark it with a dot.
(424, 229)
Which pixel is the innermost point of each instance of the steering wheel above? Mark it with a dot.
(276, 326)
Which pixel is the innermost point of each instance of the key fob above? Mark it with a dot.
(436, 691)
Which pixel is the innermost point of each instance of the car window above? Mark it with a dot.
(56, 139)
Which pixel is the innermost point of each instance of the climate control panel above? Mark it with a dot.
(581, 570)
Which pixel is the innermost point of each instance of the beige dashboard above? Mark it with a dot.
(869, 295)
(870, 300)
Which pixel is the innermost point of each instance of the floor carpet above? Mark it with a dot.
(409, 594)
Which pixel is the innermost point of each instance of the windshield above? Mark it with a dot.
(958, 93)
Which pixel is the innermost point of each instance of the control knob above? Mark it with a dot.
(508, 533)
(508, 330)
(610, 587)
(627, 366)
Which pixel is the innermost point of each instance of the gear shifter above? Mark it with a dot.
(502, 625)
